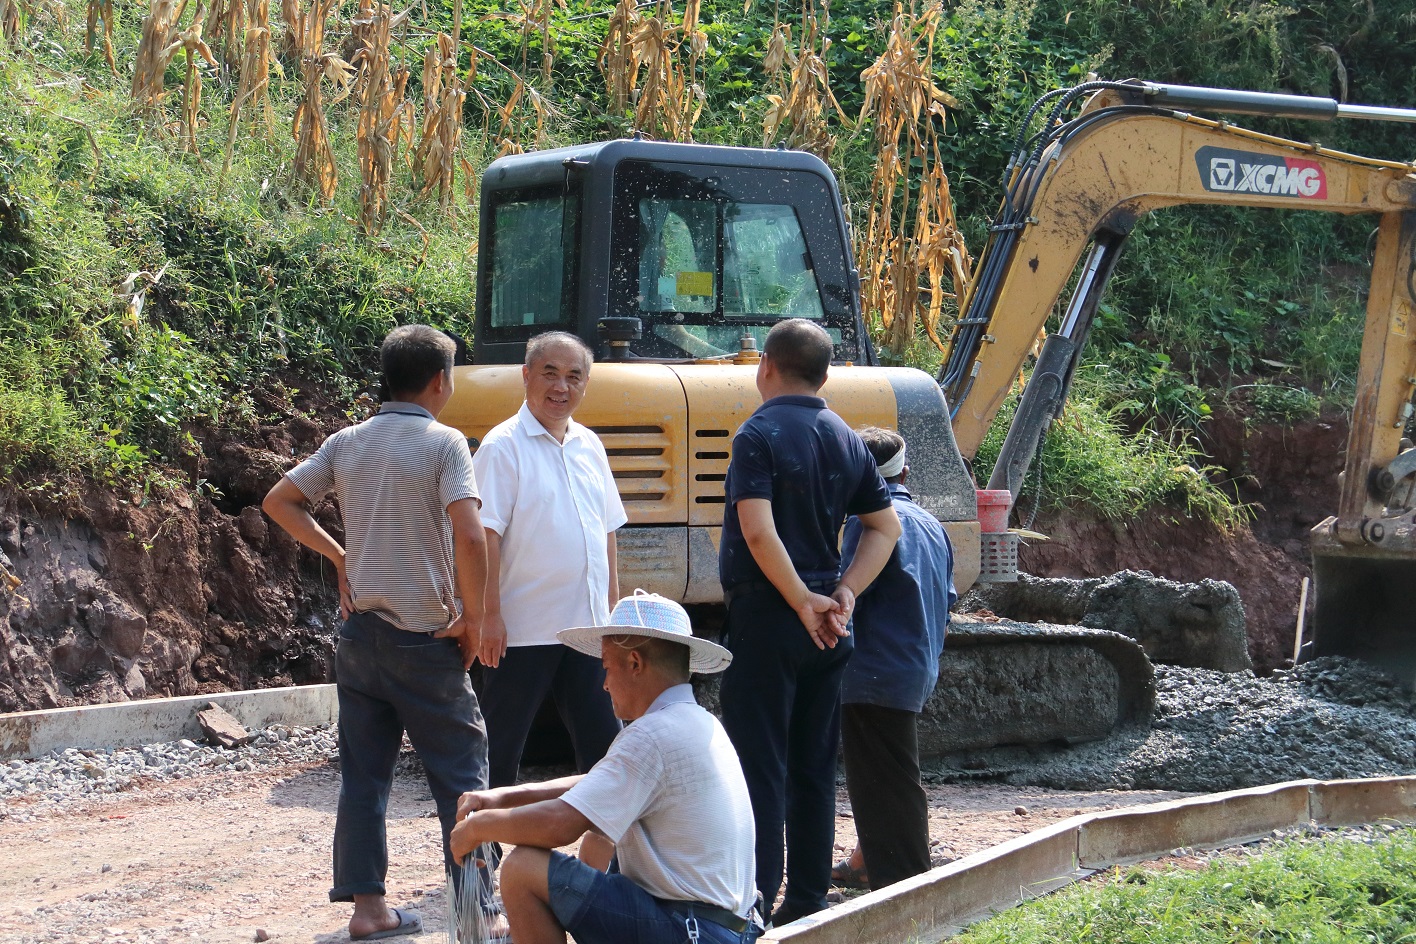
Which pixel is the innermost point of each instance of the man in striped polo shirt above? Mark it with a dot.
(411, 574)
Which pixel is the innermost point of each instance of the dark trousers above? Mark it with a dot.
(781, 702)
(512, 693)
(391, 681)
(881, 750)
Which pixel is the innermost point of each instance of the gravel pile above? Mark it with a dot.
(77, 774)
(1328, 719)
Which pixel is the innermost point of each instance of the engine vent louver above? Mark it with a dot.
(639, 460)
(710, 465)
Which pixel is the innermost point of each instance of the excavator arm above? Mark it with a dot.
(1077, 189)
(1080, 189)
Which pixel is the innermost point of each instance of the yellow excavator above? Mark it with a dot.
(674, 260)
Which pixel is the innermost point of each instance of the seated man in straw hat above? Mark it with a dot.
(669, 793)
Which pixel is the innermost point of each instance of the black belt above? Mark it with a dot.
(825, 587)
(734, 923)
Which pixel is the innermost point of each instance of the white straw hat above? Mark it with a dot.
(648, 614)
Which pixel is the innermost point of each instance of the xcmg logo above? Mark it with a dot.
(1245, 172)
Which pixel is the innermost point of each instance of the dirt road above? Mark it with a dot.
(219, 858)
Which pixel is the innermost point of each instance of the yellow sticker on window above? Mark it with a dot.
(694, 283)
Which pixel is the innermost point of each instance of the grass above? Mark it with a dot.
(1324, 891)
(143, 298)
(1090, 458)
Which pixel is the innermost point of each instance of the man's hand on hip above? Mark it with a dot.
(493, 640)
(468, 633)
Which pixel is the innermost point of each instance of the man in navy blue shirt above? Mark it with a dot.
(899, 629)
(797, 471)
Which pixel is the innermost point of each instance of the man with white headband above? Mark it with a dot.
(899, 629)
(669, 793)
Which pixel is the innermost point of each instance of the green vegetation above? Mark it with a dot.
(143, 298)
(1090, 457)
(1328, 890)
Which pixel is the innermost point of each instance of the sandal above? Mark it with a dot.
(844, 876)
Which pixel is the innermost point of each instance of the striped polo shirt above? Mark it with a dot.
(394, 476)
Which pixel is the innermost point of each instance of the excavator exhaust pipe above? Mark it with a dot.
(1364, 607)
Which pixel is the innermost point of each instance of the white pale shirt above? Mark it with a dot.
(554, 505)
(671, 796)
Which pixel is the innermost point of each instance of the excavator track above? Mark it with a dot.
(1007, 684)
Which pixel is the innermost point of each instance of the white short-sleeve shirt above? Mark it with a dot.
(670, 794)
(554, 505)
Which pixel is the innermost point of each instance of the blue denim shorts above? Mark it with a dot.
(600, 908)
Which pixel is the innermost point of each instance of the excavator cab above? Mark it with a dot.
(663, 251)
(673, 261)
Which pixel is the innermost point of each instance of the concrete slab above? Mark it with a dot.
(928, 907)
(1118, 837)
(27, 734)
(1354, 802)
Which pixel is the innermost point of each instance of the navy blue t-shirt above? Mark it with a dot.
(814, 469)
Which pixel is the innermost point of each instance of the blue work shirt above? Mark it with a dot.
(815, 471)
(900, 619)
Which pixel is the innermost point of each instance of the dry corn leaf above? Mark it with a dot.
(912, 253)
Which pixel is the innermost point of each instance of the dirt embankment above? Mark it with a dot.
(124, 598)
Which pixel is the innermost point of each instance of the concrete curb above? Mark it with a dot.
(935, 905)
(27, 734)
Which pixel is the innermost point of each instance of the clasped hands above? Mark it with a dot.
(826, 618)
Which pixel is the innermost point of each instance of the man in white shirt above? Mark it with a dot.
(551, 509)
(669, 793)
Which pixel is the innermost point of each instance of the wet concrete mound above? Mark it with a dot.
(1328, 719)
(1200, 625)
(1004, 683)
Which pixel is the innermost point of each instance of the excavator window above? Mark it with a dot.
(703, 255)
(533, 273)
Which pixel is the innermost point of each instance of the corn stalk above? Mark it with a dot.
(379, 121)
(314, 158)
(533, 17)
(252, 92)
(643, 61)
(521, 118)
(436, 156)
(10, 15)
(913, 252)
(800, 104)
(616, 60)
(225, 30)
(190, 42)
(99, 11)
(292, 41)
(152, 59)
